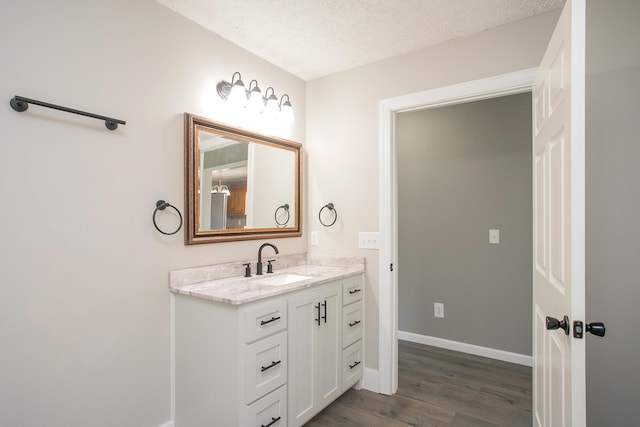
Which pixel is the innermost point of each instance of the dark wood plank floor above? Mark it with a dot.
(438, 387)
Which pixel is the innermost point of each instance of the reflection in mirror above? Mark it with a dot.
(238, 182)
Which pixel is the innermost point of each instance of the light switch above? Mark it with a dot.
(494, 237)
(314, 238)
(368, 240)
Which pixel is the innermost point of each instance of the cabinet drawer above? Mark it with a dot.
(351, 365)
(265, 319)
(352, 323)
(270, 411)
(265, 366)
(352, 290)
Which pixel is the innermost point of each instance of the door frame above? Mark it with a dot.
(486, 88)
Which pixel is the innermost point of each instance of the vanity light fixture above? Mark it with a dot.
(223, 189)
(252, 99)
(220, 187)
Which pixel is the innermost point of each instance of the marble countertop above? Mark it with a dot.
(207, 282)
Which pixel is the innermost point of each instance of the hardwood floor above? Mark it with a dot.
(438, 387)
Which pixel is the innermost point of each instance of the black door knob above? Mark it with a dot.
(596, 328)
(553, 323)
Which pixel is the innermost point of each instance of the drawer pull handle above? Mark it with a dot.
(352, 324)
(318, 319)
(273, 319)
(264, 368)
(273, 421)
(324, 304)
(354, 365)
(353, 291)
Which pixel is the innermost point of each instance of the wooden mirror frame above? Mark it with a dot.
(193, 234)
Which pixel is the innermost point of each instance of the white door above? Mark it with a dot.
(558, 223)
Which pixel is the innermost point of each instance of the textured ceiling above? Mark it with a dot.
(314, 38)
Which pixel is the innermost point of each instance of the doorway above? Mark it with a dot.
(507, 84)
(464, 227)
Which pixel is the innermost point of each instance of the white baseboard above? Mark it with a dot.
(505, 356)
(370, 380)
(168, 424)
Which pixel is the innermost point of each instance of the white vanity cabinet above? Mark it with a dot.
(273, 362)
(231, 363)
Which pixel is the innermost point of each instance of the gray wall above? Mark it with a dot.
(465, 169)
(613, 221)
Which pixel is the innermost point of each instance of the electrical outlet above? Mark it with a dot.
(494, 237)
(438, 309)
(314, 238)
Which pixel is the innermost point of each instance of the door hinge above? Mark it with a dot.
(391, 267)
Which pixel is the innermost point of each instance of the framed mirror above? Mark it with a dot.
(239, 185)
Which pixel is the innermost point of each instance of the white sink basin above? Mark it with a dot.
(281, 279)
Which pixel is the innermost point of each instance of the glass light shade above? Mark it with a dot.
(286, 114)
(215, 189)
(238, 95)
(271, 109)
(225, 190)
(256, 102)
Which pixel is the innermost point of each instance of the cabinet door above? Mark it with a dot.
(328, 374)
(303, 329)
(241, 200)
(236, 202)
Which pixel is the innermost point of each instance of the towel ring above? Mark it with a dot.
(332, 209)
(162, 205)
(284, 207)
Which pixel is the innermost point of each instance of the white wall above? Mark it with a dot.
(84, 312)
(342, 131)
